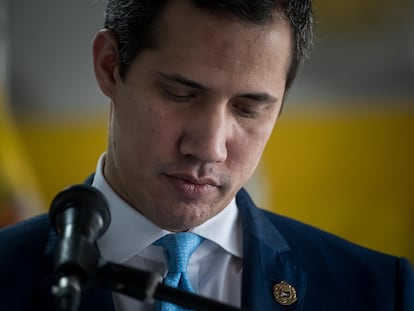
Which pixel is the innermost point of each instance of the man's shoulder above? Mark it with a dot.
(312, 240)
(343, 263)
(305, 239)
(32, 228)
(26, 238)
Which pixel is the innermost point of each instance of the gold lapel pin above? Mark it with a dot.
(284, 293)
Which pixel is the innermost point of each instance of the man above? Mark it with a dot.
(196, 88)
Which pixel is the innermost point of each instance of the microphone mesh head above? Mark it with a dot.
(80, 196)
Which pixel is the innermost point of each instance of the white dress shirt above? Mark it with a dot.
(214, 269)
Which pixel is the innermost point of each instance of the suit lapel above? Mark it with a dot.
(266, 261)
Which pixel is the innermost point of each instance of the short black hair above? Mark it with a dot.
(134, 23)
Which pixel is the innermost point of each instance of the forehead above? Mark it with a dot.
(223, 41)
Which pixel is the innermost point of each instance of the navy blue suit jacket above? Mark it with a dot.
(327, 272)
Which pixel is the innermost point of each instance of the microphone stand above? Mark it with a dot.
(77, 262)
(136, 283)
(146, 286)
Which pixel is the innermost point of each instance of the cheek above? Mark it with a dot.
(141, 117)
(161, 127)
(160, 130)
(247, 149)
(154, 123)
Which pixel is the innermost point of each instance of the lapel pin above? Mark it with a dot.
(284, 293)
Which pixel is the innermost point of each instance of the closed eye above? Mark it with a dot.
(247, 110)
(253, 105)
(177, 94)
(178, 88)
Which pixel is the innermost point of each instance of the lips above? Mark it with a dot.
(189, 187)
(196, 181)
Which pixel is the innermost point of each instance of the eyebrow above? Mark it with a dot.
(175, 77)
(258, 97)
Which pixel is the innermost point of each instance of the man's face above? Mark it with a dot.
(189, 123)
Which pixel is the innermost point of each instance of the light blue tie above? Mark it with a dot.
(178, 248)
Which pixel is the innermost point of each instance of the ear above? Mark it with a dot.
(105, 61)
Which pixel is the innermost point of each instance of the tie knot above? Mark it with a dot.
(178, 248)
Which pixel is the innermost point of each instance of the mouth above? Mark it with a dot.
(190, 187)
(194, 180)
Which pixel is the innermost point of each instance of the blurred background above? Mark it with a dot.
(341, 156)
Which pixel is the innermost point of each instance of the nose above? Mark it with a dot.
(206, 135)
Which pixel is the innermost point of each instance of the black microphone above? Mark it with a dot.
(80, 215)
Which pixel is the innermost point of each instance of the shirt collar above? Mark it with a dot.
(130, 232)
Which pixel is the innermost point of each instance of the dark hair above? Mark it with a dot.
(134, 23)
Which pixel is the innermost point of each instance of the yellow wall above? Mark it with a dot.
(19, 193)
(349, 171)
(63, 152)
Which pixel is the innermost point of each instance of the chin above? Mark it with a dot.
(182, 221)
